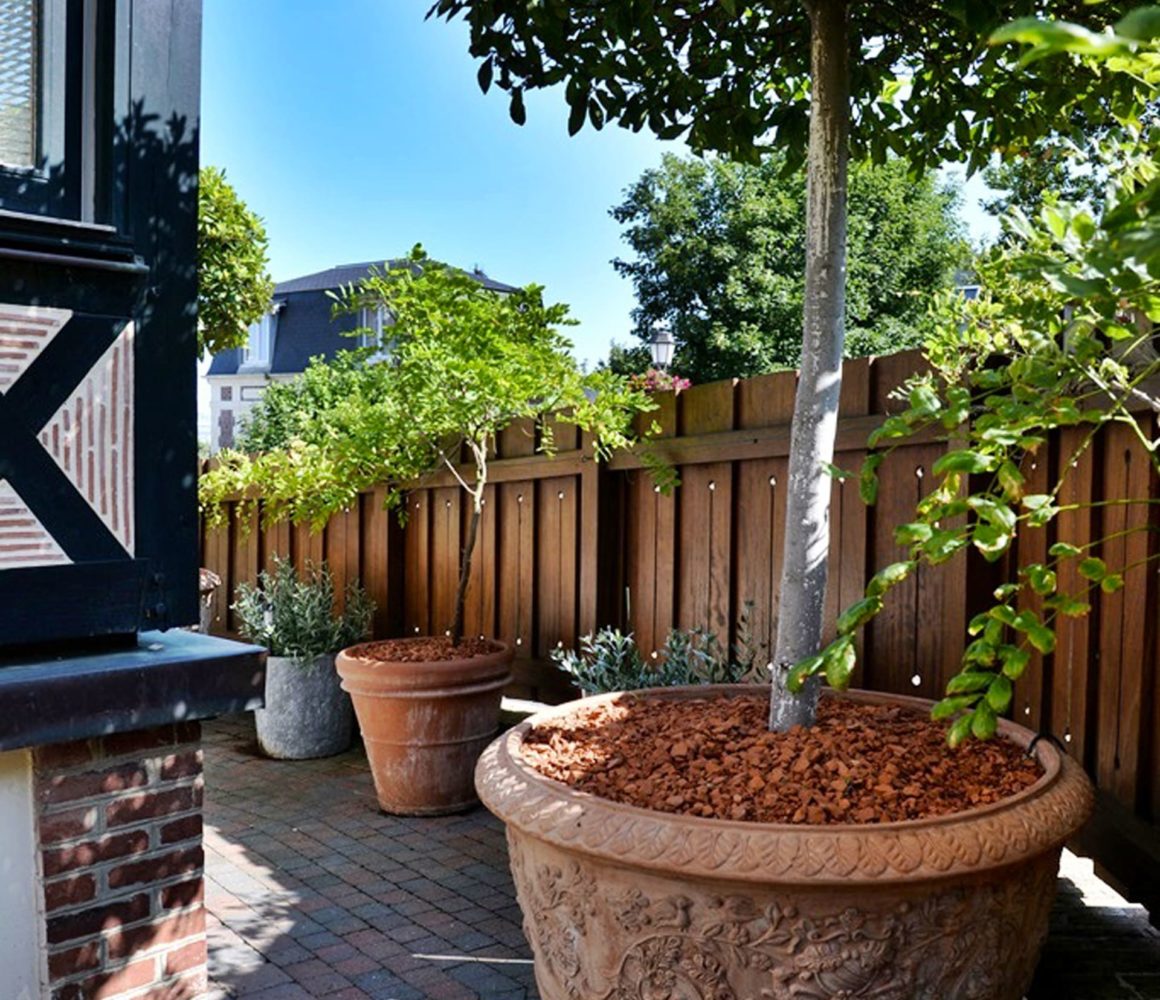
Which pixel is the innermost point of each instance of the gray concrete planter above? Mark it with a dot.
(307, 713)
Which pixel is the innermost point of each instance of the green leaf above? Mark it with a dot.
(924, 401)
(1142, 24)
(1041, 637)
(484, 75)
(1050, 37)
(999, 693)
(519, 114)
(1005, 590)
(1111, 583)
(801, 670)
(1041, 508)
(998, 514)
(981, 651)
(970, 681)
(858, 613)
(577, 115)
(1068, 606)
(947, 707)
(889, 576)
(1014, 661)
(1011, 480)
(991, 541)
(1003, 613)
(836, 473)
(960, 730)
(840, 660)
(1064, 550)
(913, 533)
(963, 460)
(1093, 569)
(983, 721)
(1043, 580)
(868, 479)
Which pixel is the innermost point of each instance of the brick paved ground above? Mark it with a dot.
(313, 893)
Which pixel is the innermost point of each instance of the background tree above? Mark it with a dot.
(234, 286)
(1054, 167)
(720, 248)
(824, 77)
(466, 362)
(295, 410)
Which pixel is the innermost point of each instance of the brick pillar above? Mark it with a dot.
(120, 837)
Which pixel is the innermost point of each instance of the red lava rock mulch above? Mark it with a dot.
(715, 758)
(425, 649)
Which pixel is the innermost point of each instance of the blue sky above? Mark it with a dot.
(356, 129)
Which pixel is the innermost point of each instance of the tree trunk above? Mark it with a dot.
(815, 413)
(465, 569)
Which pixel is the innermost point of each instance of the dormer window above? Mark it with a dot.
(259, 349)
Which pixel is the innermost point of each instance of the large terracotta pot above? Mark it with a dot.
(425, 724)
(621, 902)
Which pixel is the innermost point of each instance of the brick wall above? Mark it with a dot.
(120, 835)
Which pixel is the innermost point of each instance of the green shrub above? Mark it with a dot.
(610, 660)
(296, 618)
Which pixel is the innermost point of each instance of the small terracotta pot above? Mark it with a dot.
(425, 724)
(624, 902)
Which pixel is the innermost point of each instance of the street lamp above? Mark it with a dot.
(662, 348)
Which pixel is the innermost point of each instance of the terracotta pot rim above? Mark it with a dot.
(543, 807)
(354, 653)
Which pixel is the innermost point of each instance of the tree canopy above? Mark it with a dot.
(296, 410)
(234, 287)
(735, 77)
(720, 253)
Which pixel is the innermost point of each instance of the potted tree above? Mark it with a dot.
(465, 362)
(307, 714)
(649, 851)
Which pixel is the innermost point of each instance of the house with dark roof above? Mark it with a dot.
(299, 326)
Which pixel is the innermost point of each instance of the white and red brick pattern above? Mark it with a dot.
(24, 541)
(91, 438)
(25, 331)
(120, 832)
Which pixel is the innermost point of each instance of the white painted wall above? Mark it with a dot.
(246, 390)
(23, 969)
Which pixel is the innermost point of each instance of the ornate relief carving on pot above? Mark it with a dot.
(605, 933)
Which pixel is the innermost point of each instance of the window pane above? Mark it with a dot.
(18, 88)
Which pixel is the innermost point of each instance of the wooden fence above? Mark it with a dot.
(567, 545)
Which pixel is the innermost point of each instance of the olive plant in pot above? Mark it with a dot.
(664, 844)
(465, 363)
(307, 714)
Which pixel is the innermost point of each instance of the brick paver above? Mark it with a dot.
(312, 892)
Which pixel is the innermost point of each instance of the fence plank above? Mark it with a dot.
(706, 498)
(377, 525)
(446, 549)
(479, 615)
(1071, 695)
(245, 564)
(416, 564)
(555, 581)
(1031, 705)
(760, 519)
(517, 560)
(765, 401)
(1121, 626)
